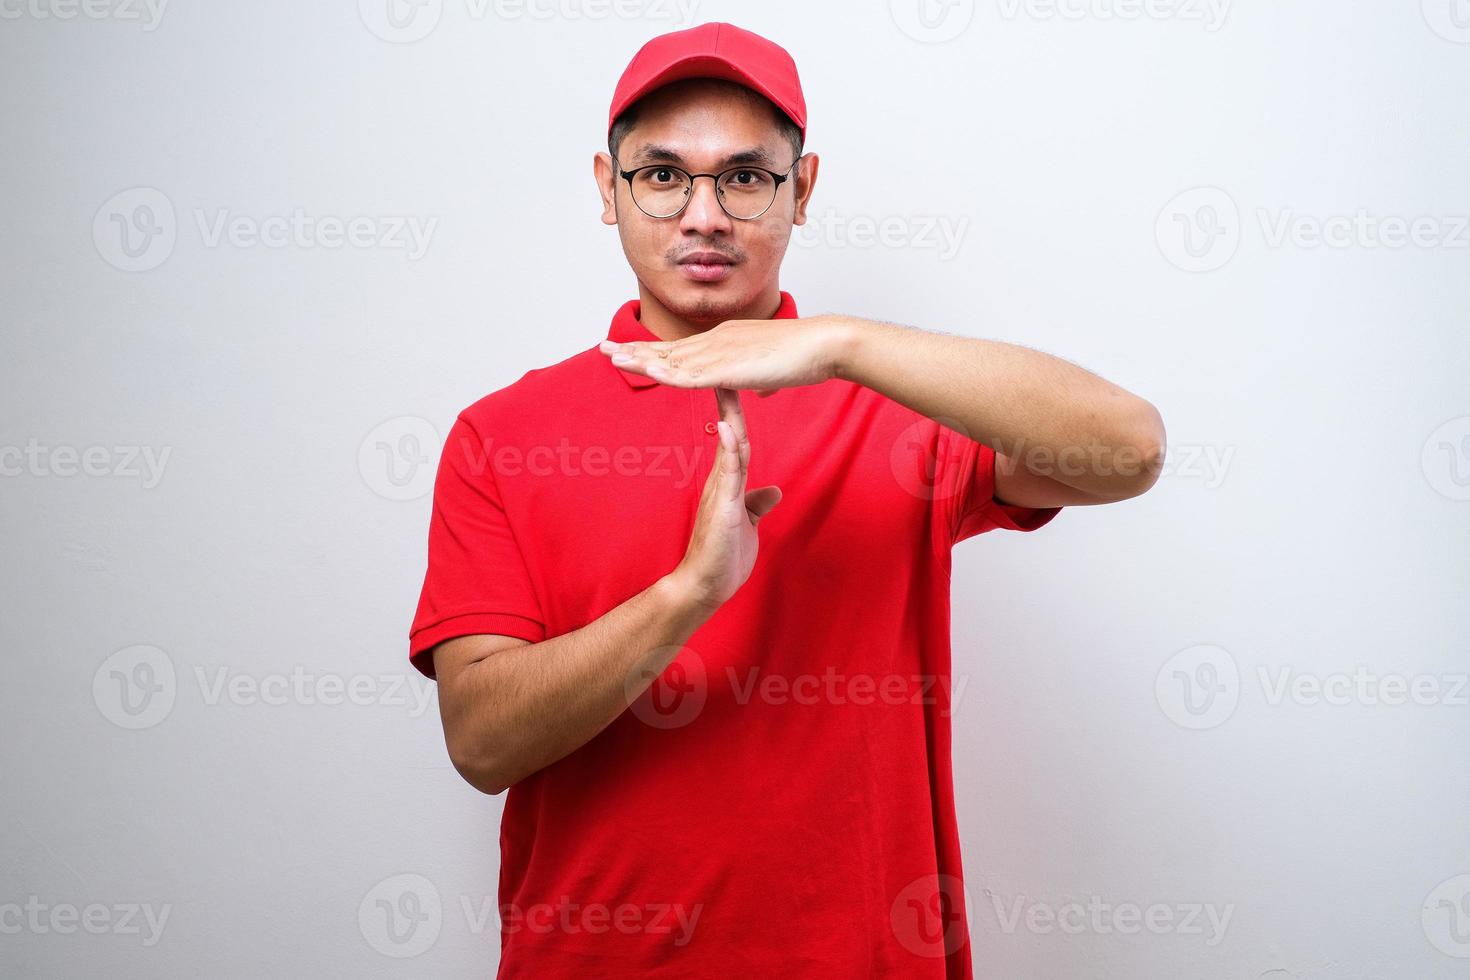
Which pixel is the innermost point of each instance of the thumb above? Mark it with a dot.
(760, 502)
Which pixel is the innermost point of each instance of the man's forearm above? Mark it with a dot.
(522, 708)
(1053, 417)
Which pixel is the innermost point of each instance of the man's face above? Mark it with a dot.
(703, 265)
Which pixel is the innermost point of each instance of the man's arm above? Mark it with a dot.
(511, 708)
(1062, 435)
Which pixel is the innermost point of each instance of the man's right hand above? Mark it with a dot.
(723, 544)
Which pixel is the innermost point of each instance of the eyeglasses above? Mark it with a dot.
(662, 191)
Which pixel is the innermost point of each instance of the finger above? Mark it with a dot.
(728, 400)
(627, 356)
(638, 355)
(730, 410)
(622, 349)
(732, 472)
(759, 502)
(714, 479)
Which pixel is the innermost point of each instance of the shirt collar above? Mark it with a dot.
(626, 327)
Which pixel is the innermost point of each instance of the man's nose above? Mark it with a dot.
(703, 212)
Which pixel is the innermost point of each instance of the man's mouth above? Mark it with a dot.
(706, 266)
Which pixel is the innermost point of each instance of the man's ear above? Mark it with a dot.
(603, 171)
(806, 181)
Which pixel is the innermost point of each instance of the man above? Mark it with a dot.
(703, 639)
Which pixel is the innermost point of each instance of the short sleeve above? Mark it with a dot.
(477, 580)
(971, 508)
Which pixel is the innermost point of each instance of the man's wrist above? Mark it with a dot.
(852, 343)
(683, 597)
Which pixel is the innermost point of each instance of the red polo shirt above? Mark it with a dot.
(779, 802)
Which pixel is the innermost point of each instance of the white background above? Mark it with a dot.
(1312, 524)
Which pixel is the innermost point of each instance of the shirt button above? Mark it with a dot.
(711, 428)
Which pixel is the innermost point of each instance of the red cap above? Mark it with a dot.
(714, 50)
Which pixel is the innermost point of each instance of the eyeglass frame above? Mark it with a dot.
(780, 178)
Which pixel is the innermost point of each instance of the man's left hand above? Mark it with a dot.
(753, 355)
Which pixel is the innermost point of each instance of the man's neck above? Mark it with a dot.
(665, 325)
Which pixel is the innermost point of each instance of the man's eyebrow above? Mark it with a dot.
(663, 154)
